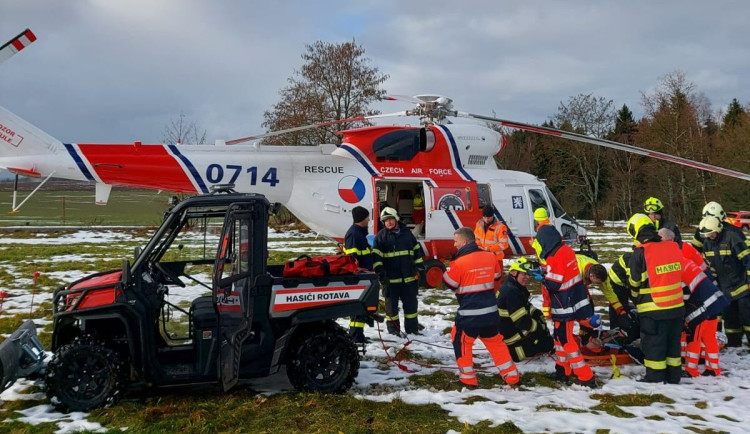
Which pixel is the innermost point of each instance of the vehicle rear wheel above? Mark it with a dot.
(325, 361)
(84, 375)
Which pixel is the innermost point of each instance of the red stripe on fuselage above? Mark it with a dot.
(149, 166)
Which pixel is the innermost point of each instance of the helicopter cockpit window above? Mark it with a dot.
(400, 145)
(537, 199)
(484, 195)
(556, 207)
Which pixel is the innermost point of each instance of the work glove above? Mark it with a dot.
(537, 274)
(620, 311)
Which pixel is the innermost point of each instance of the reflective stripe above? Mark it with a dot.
(396, 253)
(554, 277)
(475, 312)
(447, 279)
(513, 339)
(519, 352)
(392, 318)
(506, 365)
(515, 316)
(659, 365)
(402, 280)
(743, 253)
(570, 282)
(577, 365)
(475, 288)
(698, 279)
(674, 361)
(503, 313)
(739, 290)
(357, 324)
(411, 315)
(358, 252)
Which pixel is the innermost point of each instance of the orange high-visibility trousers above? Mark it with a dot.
(704, 344)
(463, 345)
(568, 353)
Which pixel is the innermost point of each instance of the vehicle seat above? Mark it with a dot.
(405, 204)
(203, 313)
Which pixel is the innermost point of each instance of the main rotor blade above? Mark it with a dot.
(23, 40)
(405, 98)
(307, 127)
(609, 144)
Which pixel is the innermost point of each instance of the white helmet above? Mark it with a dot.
(388, 213)
(710, 224)
(715, 210)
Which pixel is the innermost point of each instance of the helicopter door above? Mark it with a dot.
(449, 208)
(537, 199)
(232, 273)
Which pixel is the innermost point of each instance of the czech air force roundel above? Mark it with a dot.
(351, 189)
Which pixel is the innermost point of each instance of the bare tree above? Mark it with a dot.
(676, 117)
(181, 131)
(595, 116)
(335, 82)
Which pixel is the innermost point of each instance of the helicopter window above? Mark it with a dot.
(483, 192)
(537, 199)
(400, 145)
(556, 207)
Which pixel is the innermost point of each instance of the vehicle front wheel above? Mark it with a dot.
(326, 360)
(84, 375)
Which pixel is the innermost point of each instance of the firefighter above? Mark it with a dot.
(728, 257)
(657, 273)
(523, 326)
(568, 303)
(474, 275)
(417, 214)
(356, 245)
(655, 209)
(397, 258)
(716, 210)
(619, 275)
(541, 217)
(702, 307)
(491, 234)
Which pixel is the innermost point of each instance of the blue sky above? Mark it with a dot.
(117, 71)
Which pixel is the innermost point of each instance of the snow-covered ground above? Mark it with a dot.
(703, 403)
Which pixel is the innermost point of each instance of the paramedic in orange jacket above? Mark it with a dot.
(569, 302)
(475, 275)
(491, 234)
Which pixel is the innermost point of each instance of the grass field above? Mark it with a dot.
(384, 398)
(76, 208)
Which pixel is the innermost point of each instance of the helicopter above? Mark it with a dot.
(449, 165)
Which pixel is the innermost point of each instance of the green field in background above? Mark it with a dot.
(75, 208)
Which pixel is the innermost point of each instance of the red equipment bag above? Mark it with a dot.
(317, 266)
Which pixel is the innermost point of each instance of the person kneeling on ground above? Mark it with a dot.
(522, 325)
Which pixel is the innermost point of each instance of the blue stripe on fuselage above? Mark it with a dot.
(361, 160)
(456, 158)
(79, 161)
(191, 168)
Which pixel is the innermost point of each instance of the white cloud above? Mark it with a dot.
(119, 71)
